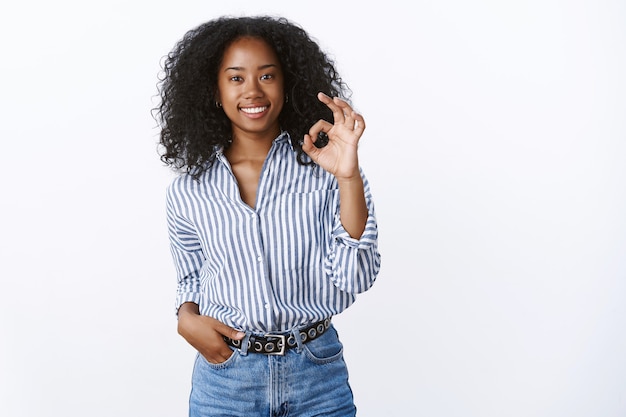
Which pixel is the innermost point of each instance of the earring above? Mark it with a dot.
(286, 98)
(218, 104)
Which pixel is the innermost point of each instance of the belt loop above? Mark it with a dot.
(295, 332)
(245, 344)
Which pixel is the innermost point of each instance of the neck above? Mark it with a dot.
(250, 147)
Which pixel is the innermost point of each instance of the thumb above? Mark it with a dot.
(229, 332)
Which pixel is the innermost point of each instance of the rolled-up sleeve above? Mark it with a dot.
(353, 264)
(186, 251)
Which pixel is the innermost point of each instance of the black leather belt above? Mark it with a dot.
(277, 344)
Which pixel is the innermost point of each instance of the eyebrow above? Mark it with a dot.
(262, 67)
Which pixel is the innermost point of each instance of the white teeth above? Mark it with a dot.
(253, 110)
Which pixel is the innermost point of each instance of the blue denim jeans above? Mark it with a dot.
(309, 380)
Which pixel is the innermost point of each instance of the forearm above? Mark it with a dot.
(188, 307)
(352, 206)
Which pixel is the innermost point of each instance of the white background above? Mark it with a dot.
(496, 149)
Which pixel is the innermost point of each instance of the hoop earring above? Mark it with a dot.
(218, 104)
(286, 98)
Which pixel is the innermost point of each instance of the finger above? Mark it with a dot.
(228, 331)
(308, 147)
(359, 123)
(221, 328)
(351, 118)
(313, 148)
(318, 127)
(348, 111)
(338, 113)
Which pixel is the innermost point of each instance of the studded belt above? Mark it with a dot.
(277, 344)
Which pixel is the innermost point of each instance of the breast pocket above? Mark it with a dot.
(305, 226)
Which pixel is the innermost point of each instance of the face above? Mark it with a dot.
(250, 88)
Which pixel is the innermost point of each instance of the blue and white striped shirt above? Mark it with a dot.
(285, 263)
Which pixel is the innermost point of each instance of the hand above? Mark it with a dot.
(205, 333)
(339, 156)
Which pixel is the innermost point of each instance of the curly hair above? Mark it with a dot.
(193, 128)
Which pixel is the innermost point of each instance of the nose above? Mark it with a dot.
(252, 88)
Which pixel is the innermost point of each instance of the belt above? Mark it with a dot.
(277, 344)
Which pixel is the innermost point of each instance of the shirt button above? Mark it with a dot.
(260, 259)
(267, 306)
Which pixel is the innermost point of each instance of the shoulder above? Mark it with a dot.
(184, 186)
(179, 184)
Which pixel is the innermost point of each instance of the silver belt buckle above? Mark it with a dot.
(282, 343)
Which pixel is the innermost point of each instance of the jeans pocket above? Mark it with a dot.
(325, 349)
(221, 365)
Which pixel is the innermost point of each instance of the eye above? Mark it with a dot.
(267, 76)
(236, 78)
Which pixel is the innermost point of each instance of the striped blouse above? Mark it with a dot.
(287, 262)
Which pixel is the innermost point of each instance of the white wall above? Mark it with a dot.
(496, 149)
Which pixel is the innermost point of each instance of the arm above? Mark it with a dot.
(202, 332)
(354, 261)
(340, 158)
(353, 264)
(352, 208)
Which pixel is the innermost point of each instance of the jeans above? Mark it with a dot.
(309, 380)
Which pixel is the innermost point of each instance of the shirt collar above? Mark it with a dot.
(284, 137)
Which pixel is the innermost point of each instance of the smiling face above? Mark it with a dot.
(250, 88)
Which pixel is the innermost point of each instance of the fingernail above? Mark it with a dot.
(240, 334)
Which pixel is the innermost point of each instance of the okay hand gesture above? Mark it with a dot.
(339, 156)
